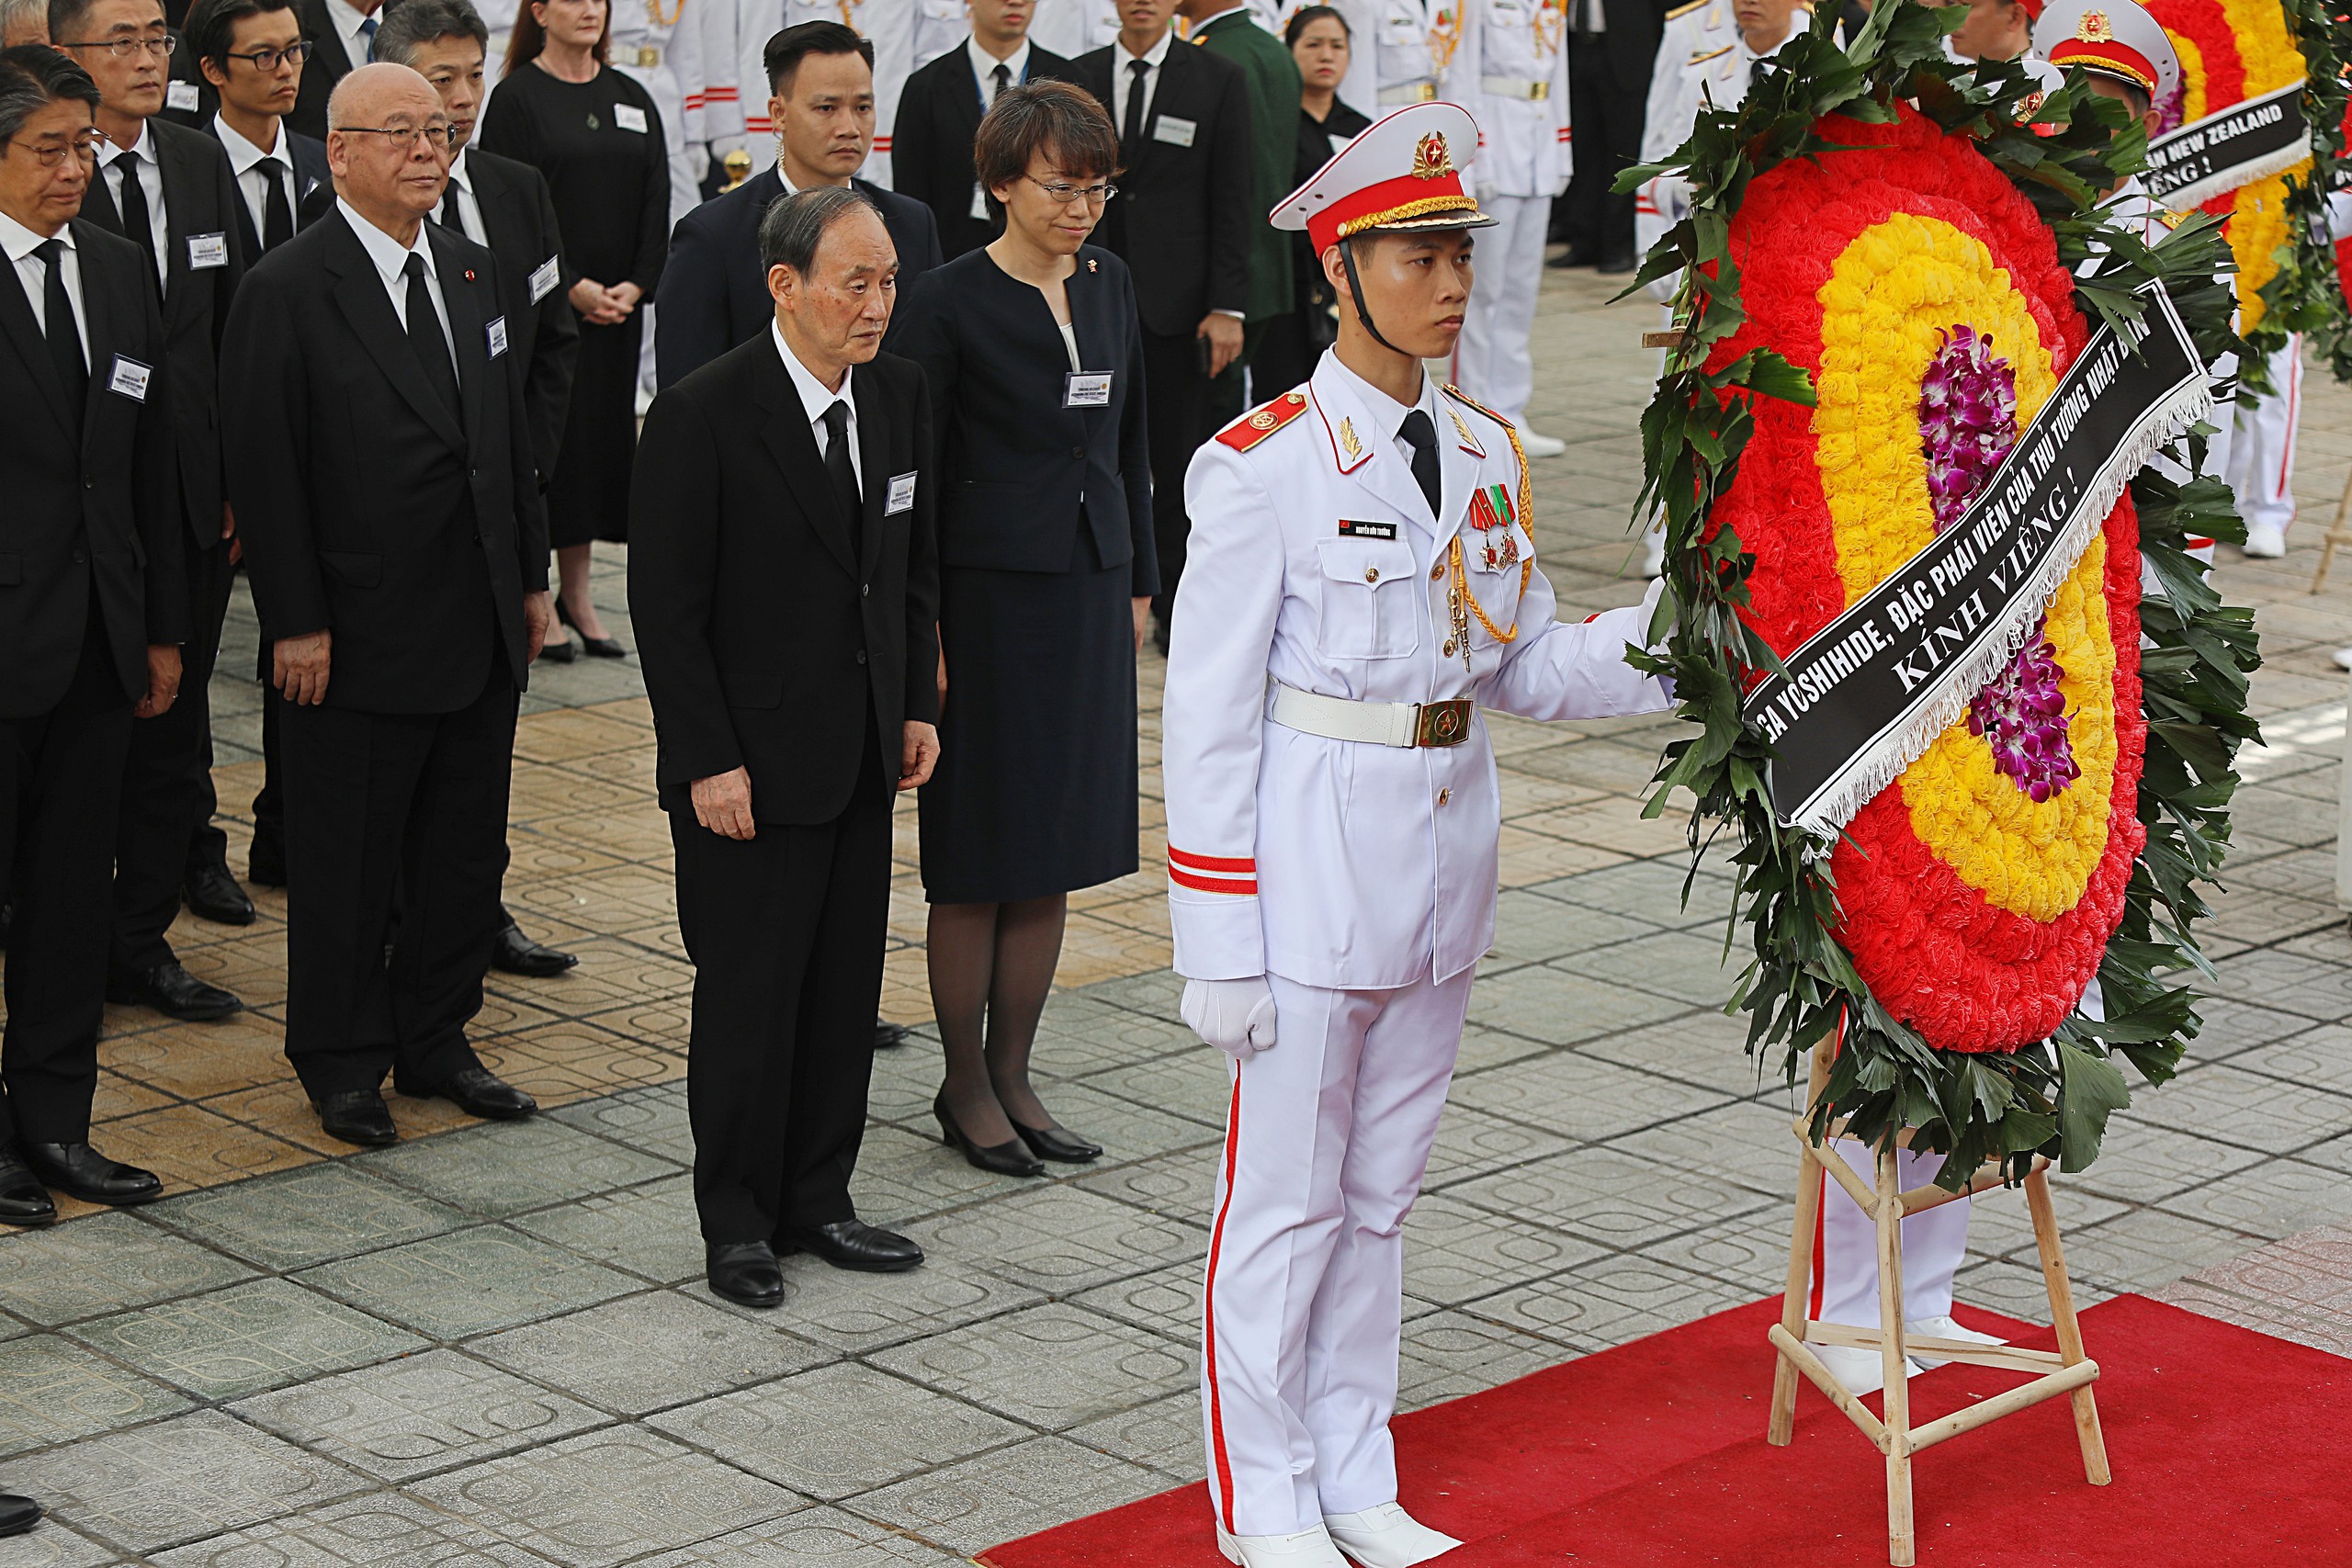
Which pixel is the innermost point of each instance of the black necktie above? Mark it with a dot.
(451, 219)
(1131, 136)
(840, 469)
(1420, 434)
(63, 332)
(1002, 76)
(276, 213)
(426, 336)
(137, 222)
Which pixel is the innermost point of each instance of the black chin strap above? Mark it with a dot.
(1355, 293)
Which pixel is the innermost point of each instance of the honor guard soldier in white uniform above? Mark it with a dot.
(940, 25)
(1402, 48)
(1072, 27)
(889, 24)
(1365, 583)
(1511, 72)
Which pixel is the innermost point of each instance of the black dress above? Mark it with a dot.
(1044, 537)
(599, 144)
(1297, 340)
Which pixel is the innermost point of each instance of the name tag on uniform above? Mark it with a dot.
(497, 336)
(1086, 389)
(1403, 28)
(129, 378)
(628, 116)
(544, 277)
(207, 251)
(180, 95)
(979, 202)
(1353, 530)
(1174, 131)
(903, 495)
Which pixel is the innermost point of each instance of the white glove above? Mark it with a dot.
(1235, 1016)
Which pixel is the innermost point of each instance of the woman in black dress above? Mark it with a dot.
(1035, 359)
(1318, 39)
(596, 135)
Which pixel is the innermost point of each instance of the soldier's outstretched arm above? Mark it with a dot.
(1574, 669)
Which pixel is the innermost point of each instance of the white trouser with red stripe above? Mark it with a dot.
(1326, 1140)
(2262, 443)
(1491, 362)
(1845, 1254)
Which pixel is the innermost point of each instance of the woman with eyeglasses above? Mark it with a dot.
(1321, 42)
(596, 135)
(1035, 359)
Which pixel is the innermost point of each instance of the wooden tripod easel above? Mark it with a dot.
(2337, 537)
(2066, 1372)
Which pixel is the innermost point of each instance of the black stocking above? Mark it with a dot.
(991, 968)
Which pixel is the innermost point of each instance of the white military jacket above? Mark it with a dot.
(888, 25)
(659, 42)
(1512, 74)
(1401, 47)
(1315, 562)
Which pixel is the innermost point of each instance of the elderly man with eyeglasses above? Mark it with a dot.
(380, 465)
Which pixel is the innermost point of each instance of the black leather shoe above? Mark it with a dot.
(23, 1199)
(266, 862)
(593, 647)
(80, 1171)
(744, 1272)
(512, 952)
(480, 1092)
(17, 1515)
(887, 1034)
(1059, 1144)
(359, 1116)
(999, 1159)
(854, 1245)
(171, 990)
(211, 894)
(1575, 255)
(1614, 266)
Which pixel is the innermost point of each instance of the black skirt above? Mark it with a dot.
(1035, 790)
(588, 492)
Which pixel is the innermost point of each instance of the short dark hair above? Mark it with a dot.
(33, 75)
(65, 19)
(1063, 122)
(794, 226)
(409, 25)
(1307, 15)
(212, 26)
(785, 51)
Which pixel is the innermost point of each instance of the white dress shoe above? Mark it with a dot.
(2265, 541)
(1654, 552)
(1536, 446)
(2343, 657)
(1946, 1327)
(1387, 1537)
(1861, 1371)
(1307, 1549)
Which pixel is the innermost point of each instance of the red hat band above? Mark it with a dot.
(2106, 54)
(1432, 188)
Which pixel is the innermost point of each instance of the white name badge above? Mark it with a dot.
(903, 495)
(1174, 131)
(979, 202)
(1086, 389)
(497, 336)
(1339, 144)
(628, 116)
(544, 277)
(130, 378)
(207, 251)
(180, 95)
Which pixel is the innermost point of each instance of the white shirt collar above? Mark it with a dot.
(348, 19)
(390, 256)
(984, 64)
(1385, 412)
(814, 398)
(143, 148)
(1156, 56)
(243, 154)
(1800, 20)
(458, 174)
(20, 242)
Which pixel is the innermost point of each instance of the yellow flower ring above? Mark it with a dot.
(1974, 912)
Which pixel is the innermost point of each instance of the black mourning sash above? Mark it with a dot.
(2244, 143)
(1867, 694)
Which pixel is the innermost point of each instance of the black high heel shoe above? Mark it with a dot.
(1000, 1159)
(1057, 1144)
(594, 647)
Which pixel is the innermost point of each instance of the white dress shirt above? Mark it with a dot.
(1122, 77)
(984, 64)
(469, 209)
(350, 24)
(140, 156)
(391, 263)
(815, 400)
(254, 176)
(21, 243)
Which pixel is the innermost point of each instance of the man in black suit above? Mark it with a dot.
(340, 35)
(712, 293)
(504, 204)
(939, 114)
(380, 462)
(253, 54)
(1612, 44)
(171, 193)
(785, 582)
(93, 605)
(1182, 223)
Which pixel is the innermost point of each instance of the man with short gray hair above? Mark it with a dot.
(23, 21)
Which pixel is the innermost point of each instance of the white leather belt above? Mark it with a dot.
(1515, 87)
(1374, 724)
(1409, 93)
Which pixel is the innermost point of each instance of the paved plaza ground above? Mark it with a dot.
(492, 1345)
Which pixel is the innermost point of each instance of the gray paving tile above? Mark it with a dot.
(1999, 1223)
(1167, 1302)
(2295, 981)
(1550, 1003)
(245, 1338)
(648, 1352)
(51, 1545)
(650, 1230)
(103, 1264)
(1611, 1197)
(418, 1415)
(1574, 1094)
(1686, 966)
(1165, 1434)
(653, 1119)
(839, 1430)
(1531, 929)
(1082, 1034)
(2320, 1058)
(179, 1480)
(1470, 1142)
(2227, 1102)
(2014, 1290)
(448, 1287)
(308, 1215)
(1748, 1144)
(505, 1167)
(1645, 890)
(1052, 1366)
(1449, 1354)
(1011, 1493)
(1454, 1252)
(2141, 1163)
(1703, 1048)
(1748, 1252)
(1155, 996)
(1181, 1186)
(382, 1530)
(2143, 1248)
(813, 1538)
(903, 1176)
(2278, 1199)
(1196, 1084)
(604, 1497)
(2330, 1333)
(52, 1390)
(2231, 1025)
(1610, 1301)
(1059, 1239)
(1483, 1048)
(855, 1314)
(1128, 1128)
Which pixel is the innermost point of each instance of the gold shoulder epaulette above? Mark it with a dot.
(1705, 55)
(1526, 479)
(1685, 10)
(1459, 396)
(1264, 421)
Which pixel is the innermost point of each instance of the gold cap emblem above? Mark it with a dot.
(1430, 159)
(2095, 29)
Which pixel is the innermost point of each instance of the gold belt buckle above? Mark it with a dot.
(1443, 724)
(1538, 92)
(648, 56)
(1425, 92)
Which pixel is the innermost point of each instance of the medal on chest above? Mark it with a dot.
(1491, 517)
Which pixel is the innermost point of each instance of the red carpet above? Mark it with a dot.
(2228, 1449)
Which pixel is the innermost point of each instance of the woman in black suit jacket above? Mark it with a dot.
(1035, 363)
(1320, 41)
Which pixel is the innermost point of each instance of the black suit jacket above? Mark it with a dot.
(714, 292)
(1631, 40)
(1182, 219)
(931, 144)
(768, 641)
(200, 203)
(366, 507)
(518, 213)
(105, 514)
(327, 65)
(313, 186)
